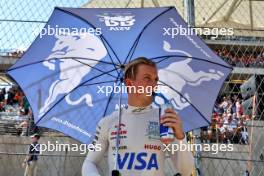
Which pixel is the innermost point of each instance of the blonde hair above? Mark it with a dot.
(131, 69)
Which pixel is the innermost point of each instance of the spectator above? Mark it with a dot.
(23, 127)
(228, 122)
(224, 104)
(31, 159)
(17, 97)
(239, 108)
(243, 132)
(10, 97)
(2, 95)
(2, 107)
(25, 105)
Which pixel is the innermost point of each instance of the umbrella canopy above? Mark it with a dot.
(68, 72)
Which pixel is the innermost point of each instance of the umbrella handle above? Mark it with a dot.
(115, 173)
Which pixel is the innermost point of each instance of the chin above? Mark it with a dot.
(146, 98)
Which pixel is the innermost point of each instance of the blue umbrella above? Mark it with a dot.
(69, 70)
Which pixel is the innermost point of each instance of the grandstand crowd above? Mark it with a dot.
(15, 109)
(13, 97)
(242, 59)
(228, 123)
(236, 59)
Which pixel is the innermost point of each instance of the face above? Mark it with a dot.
(146, 80)
(34, 139)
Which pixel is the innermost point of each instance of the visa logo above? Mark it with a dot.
(138, 161)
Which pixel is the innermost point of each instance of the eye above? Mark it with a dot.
(147, 78)
(61, 42)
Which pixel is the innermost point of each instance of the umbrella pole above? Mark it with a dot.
(115, 172)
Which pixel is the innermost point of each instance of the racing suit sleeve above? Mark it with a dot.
(182, 160)
(93, 158)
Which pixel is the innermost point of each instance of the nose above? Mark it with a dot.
(154, 83)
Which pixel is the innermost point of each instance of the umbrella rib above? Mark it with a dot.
(101, 36)
(71, 92)
(70, 110)
(74, 108)
(196, 58)
(37, 62)
(94, 68)
(186, 100)
(91, 84)
(130, 54)
(104, 40)
(110, 97)
(133, 48)
(46, 77)
(108, 101)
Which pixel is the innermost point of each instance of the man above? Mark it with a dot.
(31, 159)
(140, 149)
(23, 127)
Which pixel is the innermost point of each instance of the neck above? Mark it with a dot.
(139, 101)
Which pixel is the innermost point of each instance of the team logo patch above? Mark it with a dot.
(138, 161)
(153, 130)
(152, 147)
(123, 147)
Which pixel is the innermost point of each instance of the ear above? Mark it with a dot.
(128, 82)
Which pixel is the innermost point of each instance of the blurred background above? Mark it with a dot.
(238, 116)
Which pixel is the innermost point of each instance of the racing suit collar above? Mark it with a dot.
(135, 109)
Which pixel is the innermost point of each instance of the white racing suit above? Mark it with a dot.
(141, 153)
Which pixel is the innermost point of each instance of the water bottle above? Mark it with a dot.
(166, 133)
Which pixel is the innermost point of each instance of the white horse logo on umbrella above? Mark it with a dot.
(189, 77)
(68, 49)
